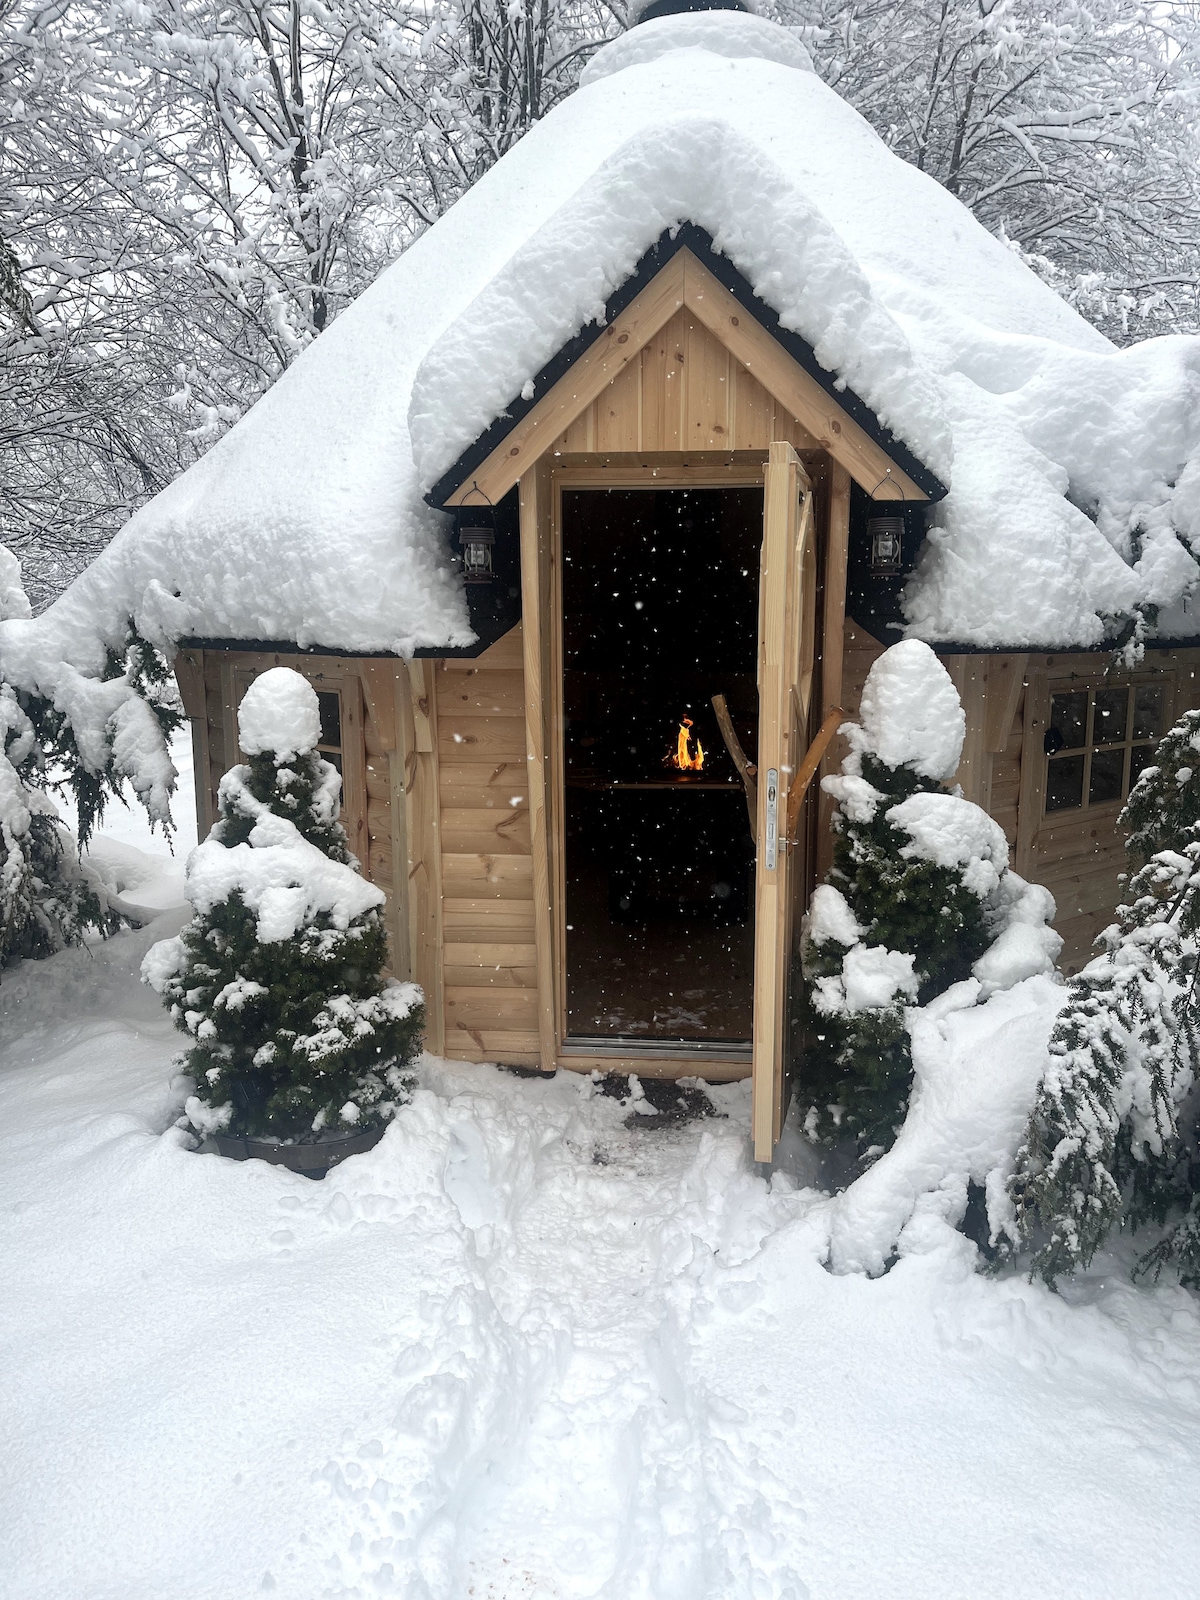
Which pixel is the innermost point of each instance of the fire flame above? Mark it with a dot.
(681, 757)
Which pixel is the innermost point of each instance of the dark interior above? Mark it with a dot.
(660, 613)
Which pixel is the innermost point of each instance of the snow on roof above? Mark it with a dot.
(307, 521)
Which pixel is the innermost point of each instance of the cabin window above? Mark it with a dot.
(330, 746)
(1098, 740)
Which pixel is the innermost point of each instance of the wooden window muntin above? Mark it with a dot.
(1108, 731)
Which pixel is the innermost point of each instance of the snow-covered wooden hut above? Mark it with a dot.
(700, 393)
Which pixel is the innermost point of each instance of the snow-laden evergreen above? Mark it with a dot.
(920, 899)
(1113, 1136)
(277, 979)
(47, 899)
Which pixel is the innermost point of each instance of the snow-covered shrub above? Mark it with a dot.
(47, 899)
(277, 979)
(919, 899)
(1113, 1139)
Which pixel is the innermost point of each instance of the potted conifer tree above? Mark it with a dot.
(920, 899)
(300, 1048)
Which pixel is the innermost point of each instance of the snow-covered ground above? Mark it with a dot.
(531, 1345)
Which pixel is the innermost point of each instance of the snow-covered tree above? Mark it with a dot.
(47, 899)
(196, 189)
(919, 898)
(1113, 1140)
(1069, 130)
(277, 979)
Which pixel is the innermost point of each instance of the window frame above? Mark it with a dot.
(1062, 675)
(1127, 683)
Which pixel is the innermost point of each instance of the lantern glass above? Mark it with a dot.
(886, 535)
(477, 545)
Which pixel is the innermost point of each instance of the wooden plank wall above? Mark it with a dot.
(1080, 855)
(1078, 858)
(684, 392)
(487, 871)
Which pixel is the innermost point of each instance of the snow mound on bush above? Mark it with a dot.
(280, 876)
(976, 1070)
(953, 832)
(910, 713)
(280, 713)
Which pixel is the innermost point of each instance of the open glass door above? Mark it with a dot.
(786, 644)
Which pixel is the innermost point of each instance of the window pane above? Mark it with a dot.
(334, 758)
(1112, 713)
(1147, 713)
(1068, 718)
(1108, 769)
(1064, 783)
(331, 717)
(1140, 757)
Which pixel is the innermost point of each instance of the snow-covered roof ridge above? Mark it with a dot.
(307, 521)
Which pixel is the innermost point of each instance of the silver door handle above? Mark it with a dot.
(771, 841)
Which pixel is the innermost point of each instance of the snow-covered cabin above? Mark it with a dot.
(699, 392)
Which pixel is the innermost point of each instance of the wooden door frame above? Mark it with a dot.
(542, 489)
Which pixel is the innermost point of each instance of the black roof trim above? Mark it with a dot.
(948, 647)
(287, 647)
(686, 236)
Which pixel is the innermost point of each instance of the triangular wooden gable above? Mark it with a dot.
(685, 366)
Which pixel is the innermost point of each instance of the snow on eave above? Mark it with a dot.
(686, 236)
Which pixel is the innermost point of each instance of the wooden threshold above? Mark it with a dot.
(675, 1059)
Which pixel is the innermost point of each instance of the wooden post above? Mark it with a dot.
(189, 674)
(418, 737)
(833, 642)
(1005, 685)
(970, 677)
(780, 656)
(536, 601)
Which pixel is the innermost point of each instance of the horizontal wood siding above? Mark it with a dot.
(685, 391)
(489, 952)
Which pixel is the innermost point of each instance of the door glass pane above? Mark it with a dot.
(1147, 712)
(1108, 769)
(1064, 783)
(1068, 718)
(1112, 711)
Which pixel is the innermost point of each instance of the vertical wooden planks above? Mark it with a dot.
(706, 405)
(189, 674)
(781, 609)
(536, 582)
(969, 675)
(833, 641)
(419, 739)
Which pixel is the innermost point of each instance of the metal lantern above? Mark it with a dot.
(886, 535)
(476, 536)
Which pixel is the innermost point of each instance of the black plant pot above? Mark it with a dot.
(311, 1160)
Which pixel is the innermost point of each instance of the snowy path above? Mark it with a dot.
(521, 1349)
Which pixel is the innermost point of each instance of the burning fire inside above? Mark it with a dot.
(682, 757)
